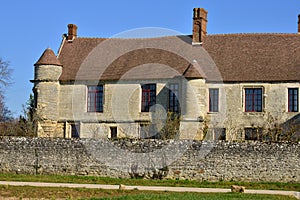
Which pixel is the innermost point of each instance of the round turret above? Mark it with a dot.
(48, 67)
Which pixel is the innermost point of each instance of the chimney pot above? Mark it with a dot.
(299, 24)
(72, 32)
(199, 25)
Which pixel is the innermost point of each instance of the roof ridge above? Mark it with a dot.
(91, 38)
(237, 56)
(144, 38)
(187, 35)
(249, 34)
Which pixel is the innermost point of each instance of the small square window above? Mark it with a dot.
(113, 132)
(216, 134)
(75, 131)
(253, 133)
(221, 133)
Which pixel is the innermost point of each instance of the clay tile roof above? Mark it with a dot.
(192, 72)
(73, 54)
(115, 59)
(256, 57)
(48, 58)
(236, 57)
(148, 63)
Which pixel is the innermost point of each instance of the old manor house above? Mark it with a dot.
(224, 86)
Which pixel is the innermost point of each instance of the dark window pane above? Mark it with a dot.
(74, 131)
(220, 133)
(95, 98)
(173, 97)
(148, 96)
(293, 100)
(214, 100)
(253, 100)
(253, 133)
(113, 132)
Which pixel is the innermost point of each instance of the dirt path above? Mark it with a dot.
(149, 188)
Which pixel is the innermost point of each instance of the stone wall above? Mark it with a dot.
(183, 159)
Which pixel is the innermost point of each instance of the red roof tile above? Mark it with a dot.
(256, 57)
(115, 59)
(48, 58)
(236, 57)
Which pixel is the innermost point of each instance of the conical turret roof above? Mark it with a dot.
(48, 58)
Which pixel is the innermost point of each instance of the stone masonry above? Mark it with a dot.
(183, 159)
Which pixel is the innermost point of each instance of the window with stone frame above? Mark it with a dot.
(113, 132)
(253, 133)
(293, 99)
(221, 133)
(148, 97)
(95, 98)
(213, 100)
(216, 134)
(253, 99)
(174, 105)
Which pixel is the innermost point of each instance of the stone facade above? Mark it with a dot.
(230, 64)
(63, 105)
(182, 159)
(232, 115)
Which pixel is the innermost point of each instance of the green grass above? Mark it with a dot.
(143, 182)
(60, 192)
(95, 194)
(195, 196)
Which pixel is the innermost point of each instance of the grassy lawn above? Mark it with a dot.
(193, 196)
(142, 182)
(95, 194)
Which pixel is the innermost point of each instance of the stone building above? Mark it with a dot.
(227, 86)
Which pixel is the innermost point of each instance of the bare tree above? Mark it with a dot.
(6, 119)
(5, 113)
(5, 80)
(5, 74)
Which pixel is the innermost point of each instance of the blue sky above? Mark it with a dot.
(29, 27)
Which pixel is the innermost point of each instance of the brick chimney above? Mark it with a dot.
(199, 25)
(299, 24)
(72, 32)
